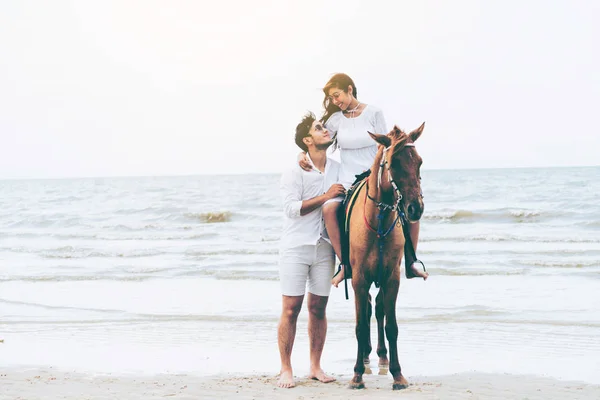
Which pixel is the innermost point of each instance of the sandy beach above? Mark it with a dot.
(49, 383)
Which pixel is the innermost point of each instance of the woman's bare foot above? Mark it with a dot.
(286, 379)
(339, 277)
(417, 272)
(321, 376)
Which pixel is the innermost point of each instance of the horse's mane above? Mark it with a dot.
(396, 133)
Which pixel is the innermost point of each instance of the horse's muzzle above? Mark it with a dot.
(414, 211)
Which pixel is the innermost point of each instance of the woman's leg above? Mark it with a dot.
(414, 237)
(414, 233)
(330, 215)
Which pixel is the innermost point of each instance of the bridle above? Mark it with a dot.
(397, 193)
(384, 208)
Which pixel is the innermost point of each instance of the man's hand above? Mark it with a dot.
(303, 162)
(310, 205)
(335, 190)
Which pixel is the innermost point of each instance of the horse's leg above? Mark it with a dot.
(368, 348)
(384, 363)
(391, 330)
(361, 302)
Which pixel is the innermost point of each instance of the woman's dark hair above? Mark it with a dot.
(337, 81)
(303, 129)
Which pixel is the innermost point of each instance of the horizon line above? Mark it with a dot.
(262, 173)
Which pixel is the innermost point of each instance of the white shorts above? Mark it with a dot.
(312, 264)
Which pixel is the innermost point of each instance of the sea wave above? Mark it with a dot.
(270, 273)
(496, 319)
(121, 317)
(493, 237)
(70, 252)
(452, 215)
(65, 199)
(234, 275)
(210, 217)
(51, 307)
(167, 236)
(131, 228)
(75, 278)
(158, 210)
(563, 264)
(509, 215)
(125, 236)
(470, 271)
(46, 221)
(234, 252)
(595, 224)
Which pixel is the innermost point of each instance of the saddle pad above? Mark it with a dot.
(350, 203)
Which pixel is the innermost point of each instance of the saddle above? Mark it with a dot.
(344, 217)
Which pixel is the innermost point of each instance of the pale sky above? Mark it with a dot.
(122, 88)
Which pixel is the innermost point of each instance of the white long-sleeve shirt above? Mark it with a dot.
(357, 149)
(296, 186)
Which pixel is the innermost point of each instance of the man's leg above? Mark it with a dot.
(286, 333)
(318, 294)
(317, 330)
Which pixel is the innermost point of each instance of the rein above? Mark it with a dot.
(384, 208)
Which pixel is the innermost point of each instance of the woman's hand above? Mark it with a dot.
(304, 162)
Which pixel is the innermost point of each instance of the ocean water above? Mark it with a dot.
(179, 274)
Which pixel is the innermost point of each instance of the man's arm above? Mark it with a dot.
(290, 189)
(311, 205)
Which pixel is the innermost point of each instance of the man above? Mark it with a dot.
(306, 256)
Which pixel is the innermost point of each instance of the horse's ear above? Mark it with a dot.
(414, 135)
(383, 140)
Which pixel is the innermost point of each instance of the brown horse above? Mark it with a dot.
(392, 192)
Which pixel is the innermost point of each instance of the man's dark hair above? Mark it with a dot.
(303, 129)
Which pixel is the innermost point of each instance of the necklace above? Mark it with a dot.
(354, 109)
(352, 112)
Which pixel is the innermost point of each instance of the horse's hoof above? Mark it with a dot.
(383, 369)
(354, 385)
(368, 370)
(400, 384)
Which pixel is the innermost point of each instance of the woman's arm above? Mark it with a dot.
(379, 124)
(304, 162)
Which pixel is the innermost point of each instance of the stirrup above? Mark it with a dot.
(347, 271)
(409, 272)
(338, 271)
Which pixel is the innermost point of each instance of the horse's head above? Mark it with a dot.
(400, 166)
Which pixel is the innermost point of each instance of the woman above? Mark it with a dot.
(349, 120)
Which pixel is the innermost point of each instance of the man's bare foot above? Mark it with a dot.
(286, 379)
(417, 272)
(339, 277)
(321, 376)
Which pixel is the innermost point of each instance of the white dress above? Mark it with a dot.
(357, 148)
